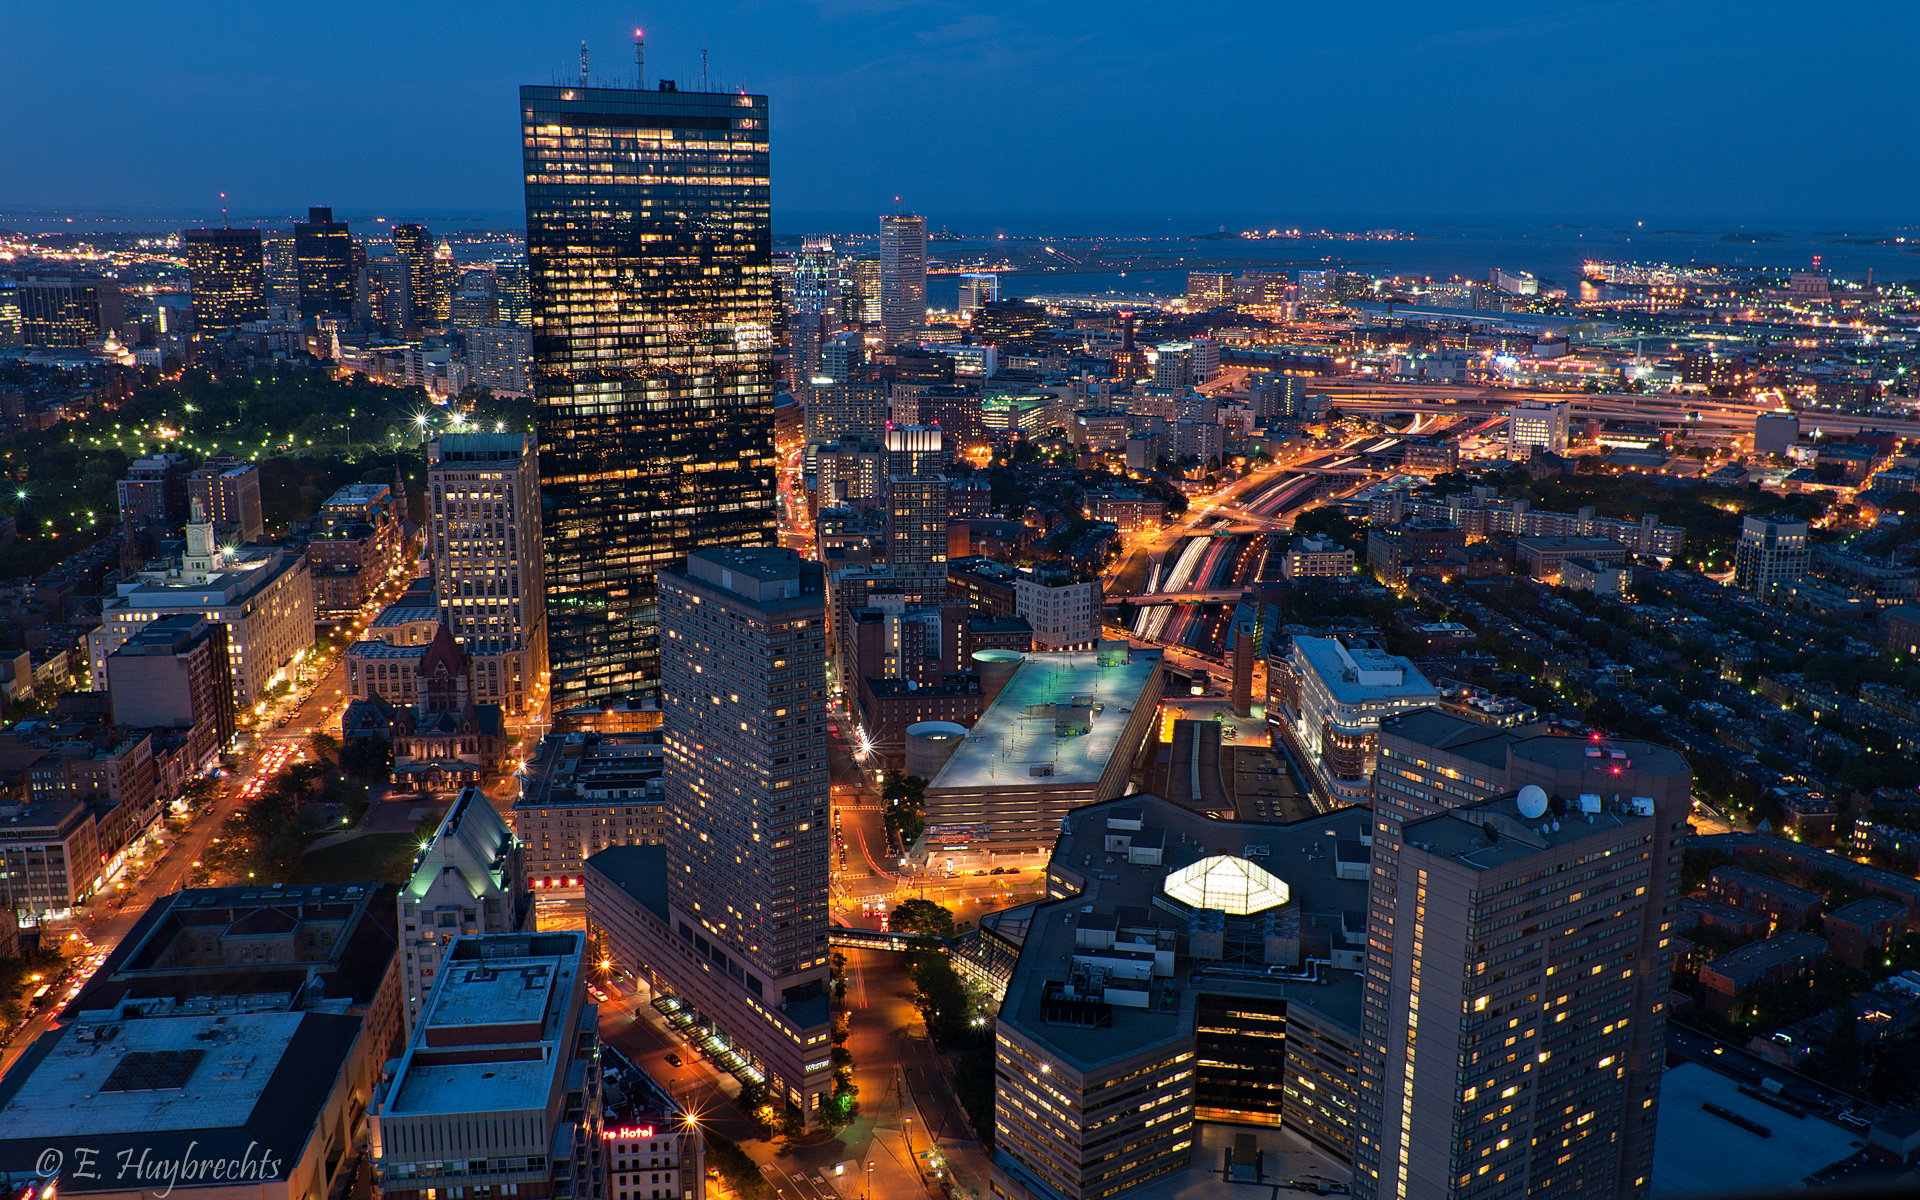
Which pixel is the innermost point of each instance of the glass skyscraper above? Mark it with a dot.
(229, 278)
(650, 262)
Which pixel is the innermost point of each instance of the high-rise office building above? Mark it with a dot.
(860, 291)
(977, 288)
(813, 310)
(323, 256)
(650, 247)
(499, 357)
(228, 274)
(386, 290)
(1466, 853)
(510, 291)
(729, 918)
(69, 312)
(840, 410)
(916, 503)
(1771, 551)
(483, 520)
(414, 247)
(11, 333)
(842, 358)
(903, 276)
(282, 266)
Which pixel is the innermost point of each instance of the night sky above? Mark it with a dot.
(1281, 110)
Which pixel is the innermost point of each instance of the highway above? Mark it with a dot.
(1662, 408)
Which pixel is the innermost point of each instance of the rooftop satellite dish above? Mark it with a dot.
(1532, 801)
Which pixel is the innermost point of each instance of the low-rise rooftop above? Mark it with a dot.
(1022, 738)
(1125, 903)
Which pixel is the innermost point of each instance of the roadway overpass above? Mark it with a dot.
(1223, 596)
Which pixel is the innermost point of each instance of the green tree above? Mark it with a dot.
(923, 917)
(367, 757)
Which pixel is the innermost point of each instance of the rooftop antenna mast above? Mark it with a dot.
(705, 88)
(640, 58)
(583, 63)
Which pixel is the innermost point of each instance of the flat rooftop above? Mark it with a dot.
(502, 980)
(1462, 833)
(1302, 855)
(1469, 739)
(1697, 1153)
(1354, 676)
(1782, 949)
(1017, 732)
(219, 1080)
(495, 991)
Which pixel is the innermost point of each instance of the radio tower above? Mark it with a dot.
(640, 59)
(583, 63)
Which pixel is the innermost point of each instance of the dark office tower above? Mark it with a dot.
(650, 255)
(903, 276)
(510, 288)
(414, 246)
(229, 278)
(323, 254)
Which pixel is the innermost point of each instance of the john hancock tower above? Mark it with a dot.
(650, 255)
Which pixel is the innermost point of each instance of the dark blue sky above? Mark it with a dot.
(1271, 110)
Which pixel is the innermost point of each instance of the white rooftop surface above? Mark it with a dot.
(1229, 883)
(1006, 741)
(1354, 676)
(1698, 1154)
(494, 991)
(473, 1087)
(63, 1095)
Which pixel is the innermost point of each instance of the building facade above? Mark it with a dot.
(323, 256)
(229, 494)
(583, 792)
(903, 276)
(1344, 694)
(1538, 423)
(1771, 551)
(483, 515)
(263, 597)
(729, 918)
(1458, 866)
(650, 252)
(173, 673)
(227, 272)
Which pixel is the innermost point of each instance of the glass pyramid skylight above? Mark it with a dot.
(1229, 883)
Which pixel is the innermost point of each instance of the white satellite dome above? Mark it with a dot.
(1532, 801)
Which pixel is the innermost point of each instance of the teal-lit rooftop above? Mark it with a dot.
(1061, 714)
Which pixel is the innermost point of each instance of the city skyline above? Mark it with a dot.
(1339, 120)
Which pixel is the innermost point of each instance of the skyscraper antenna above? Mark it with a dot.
(640, 58)
(703, 69)
(583, 63)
